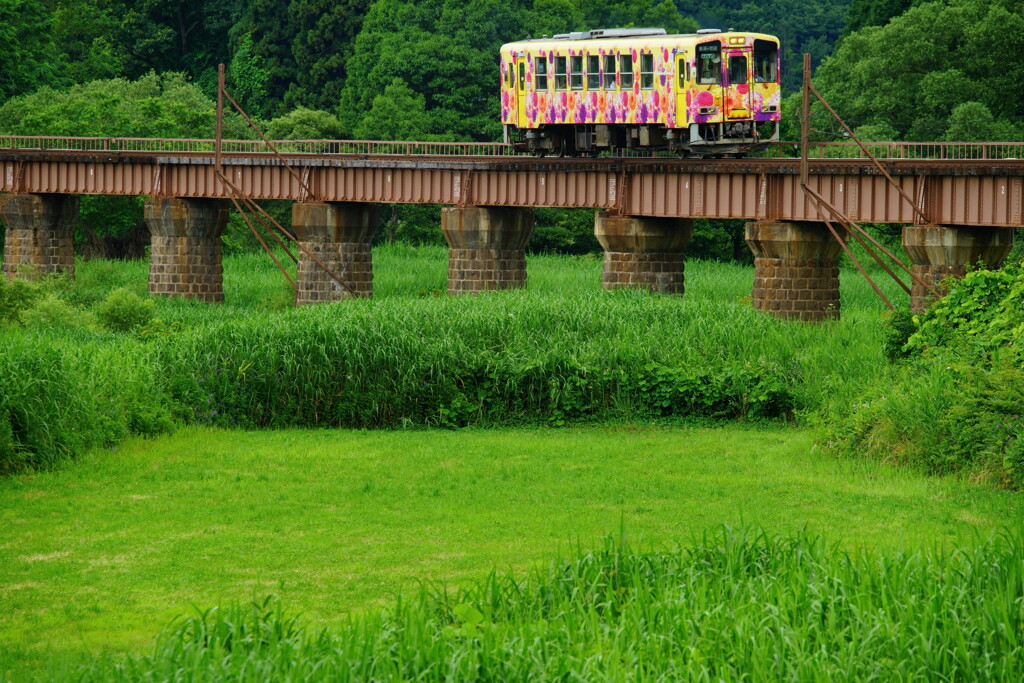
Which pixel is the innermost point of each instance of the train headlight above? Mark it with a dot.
(708, 110)
(769, 109)
(737, 40)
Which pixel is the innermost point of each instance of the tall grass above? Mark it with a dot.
(562, 350)
(734, 605)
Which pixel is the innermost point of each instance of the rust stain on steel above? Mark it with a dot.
(983, 192)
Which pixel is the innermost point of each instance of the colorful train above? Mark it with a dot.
(705, 94)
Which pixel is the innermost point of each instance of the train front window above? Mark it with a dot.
(561, 81)
(766, 62)
(576, 77)
(647, 71)
(625, 71)
(593, 72)
(737, 70)
(709, 63)
(540, 72)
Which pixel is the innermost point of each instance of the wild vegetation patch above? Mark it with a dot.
(734, 604)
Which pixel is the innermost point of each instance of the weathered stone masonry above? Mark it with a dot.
(39, 236)
(339, 235)
(939, 251)
(487, 247)
(643, 252)
(796, 270)
(185, 256)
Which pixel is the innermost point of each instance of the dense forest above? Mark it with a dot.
(427, 69)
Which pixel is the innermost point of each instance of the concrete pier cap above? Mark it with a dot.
(339, 235)
(796, 269)
(185, 253)
(643, 252)
(938, 252)
(39, 238)
(486, 247)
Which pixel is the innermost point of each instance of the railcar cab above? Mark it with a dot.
(736, 88)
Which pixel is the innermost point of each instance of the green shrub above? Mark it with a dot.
(17, 296)
(899, 327)
(125, 311)
(51, 313)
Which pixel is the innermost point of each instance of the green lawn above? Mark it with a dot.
(102, 554)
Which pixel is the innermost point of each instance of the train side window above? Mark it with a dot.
(647, 71)
(766, 62)
(609, 72)
(576, 75)
(593, 72)
(522, 76)
(737, 70)
(540, 73)
(625, 71)
(709, 63)
(684, 71)
(561, 81)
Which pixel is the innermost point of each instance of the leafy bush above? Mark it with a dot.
(898, 329)
(15, 297)
(53, 313)
(957, 406)
(125, 311)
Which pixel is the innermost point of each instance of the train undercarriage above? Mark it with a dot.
(699, 140)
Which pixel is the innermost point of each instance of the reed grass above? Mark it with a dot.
(734, 605)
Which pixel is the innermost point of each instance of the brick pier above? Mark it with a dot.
(643, 253)
(39, 234)
(185, 253)
(939, 251)
(796, 270)
(339, 235)
(487, 247)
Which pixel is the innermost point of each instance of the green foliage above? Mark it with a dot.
(125, 311)
(305, 124)
(898, 329)
(941, 70)
(957, 407)
(808, 611)
(397, 113)
(53, 313)
(16, 296)
(26, 60)
(563, 231)
(64, 395)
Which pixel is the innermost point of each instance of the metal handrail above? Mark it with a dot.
(950, 151)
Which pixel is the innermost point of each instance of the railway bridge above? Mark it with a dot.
(959, 203)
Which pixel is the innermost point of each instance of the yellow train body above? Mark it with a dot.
(641, 88)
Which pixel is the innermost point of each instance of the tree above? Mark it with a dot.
(874, 13)
(324, 31)
(916, 70)
(26, 60)
(159, 106)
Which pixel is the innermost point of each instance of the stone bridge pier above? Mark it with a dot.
(39, 236)
(339, 235)
(939, 251)
(643, 252)
(185, 256)
(487, 247)
(796, 269)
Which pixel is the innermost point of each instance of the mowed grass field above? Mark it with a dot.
(102, 554)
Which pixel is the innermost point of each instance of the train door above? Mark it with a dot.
(736, 95)
(520, 77)
(682, 83)
(706, 92)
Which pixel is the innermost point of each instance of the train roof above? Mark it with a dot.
(642, 36)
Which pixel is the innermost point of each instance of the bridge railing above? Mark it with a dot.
(190, 146)
(951, 151)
